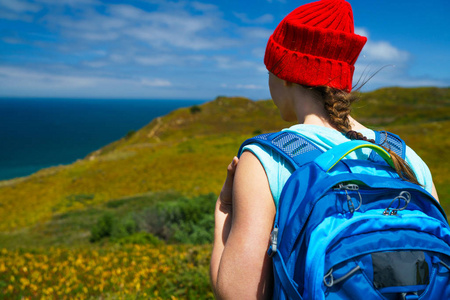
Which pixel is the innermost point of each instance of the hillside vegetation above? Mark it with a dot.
(188, 150)
(134, 219)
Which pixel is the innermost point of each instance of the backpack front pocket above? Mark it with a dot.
(394, 255)
(390, 276)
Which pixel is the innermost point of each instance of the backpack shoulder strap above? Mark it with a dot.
(391, 141)
(294, 147)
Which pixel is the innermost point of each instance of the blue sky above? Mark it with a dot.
(156, 49)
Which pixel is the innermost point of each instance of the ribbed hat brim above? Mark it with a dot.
(313, 56)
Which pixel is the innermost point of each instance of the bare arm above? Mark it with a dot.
(240, 267)
(222, 221)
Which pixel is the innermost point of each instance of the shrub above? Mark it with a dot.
(103, 228)
(124, 227)
(130, 134)
(139, 238)
(110, 226)
(184, 220)
(195, 109)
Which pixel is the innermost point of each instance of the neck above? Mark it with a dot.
(309, 110)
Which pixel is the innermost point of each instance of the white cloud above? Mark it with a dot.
(76, 3)
(230, 63)
(250, 87)
(259, 52)
(155, 82)
(27, 82)
(266, 18)
(162, 36)
(243, 86)
(156, 60)
(380, 51)
(256, 33)
(204, 7)
(169, 59)
(127, 12)
(415, 82)
(119, 58)
(159, 29)
(12, 40)
(98, 36)
(362, 31)
(390, 75)
(382, 64)
(18, 10)
(383, 51)
(18, 6)
(95, 64)
(12, 76)
(262, 69)
(95, 47)
(88, 21)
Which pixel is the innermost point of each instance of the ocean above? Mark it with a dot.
(40, 133)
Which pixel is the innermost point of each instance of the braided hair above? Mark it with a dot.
(337, 104)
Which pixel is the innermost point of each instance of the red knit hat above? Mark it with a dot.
(315, 45)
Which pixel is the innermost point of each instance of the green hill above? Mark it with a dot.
(121, 223)
(187, 152)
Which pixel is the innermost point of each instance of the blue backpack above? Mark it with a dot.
(352, 229)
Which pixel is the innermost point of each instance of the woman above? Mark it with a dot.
(310, 58)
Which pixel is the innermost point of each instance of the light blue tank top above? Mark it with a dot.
(278, 169)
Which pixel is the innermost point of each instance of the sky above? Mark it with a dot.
(155, 49)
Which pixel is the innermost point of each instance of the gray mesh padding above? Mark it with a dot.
(263, 136)
(292, 144)
(394, 143)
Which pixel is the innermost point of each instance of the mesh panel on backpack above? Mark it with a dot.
(391, 141)
(263, 136)
(293, 144)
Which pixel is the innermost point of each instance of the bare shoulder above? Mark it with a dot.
(245, 268)
(250, 182)
(252, 199)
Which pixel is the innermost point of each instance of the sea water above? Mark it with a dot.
(40, 133)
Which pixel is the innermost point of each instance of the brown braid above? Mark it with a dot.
(337, 104)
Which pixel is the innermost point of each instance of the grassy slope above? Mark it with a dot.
(181, 151)
(188, 153)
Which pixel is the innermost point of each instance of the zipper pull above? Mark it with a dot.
(350, 187)
(273, 242)
(405, 196)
